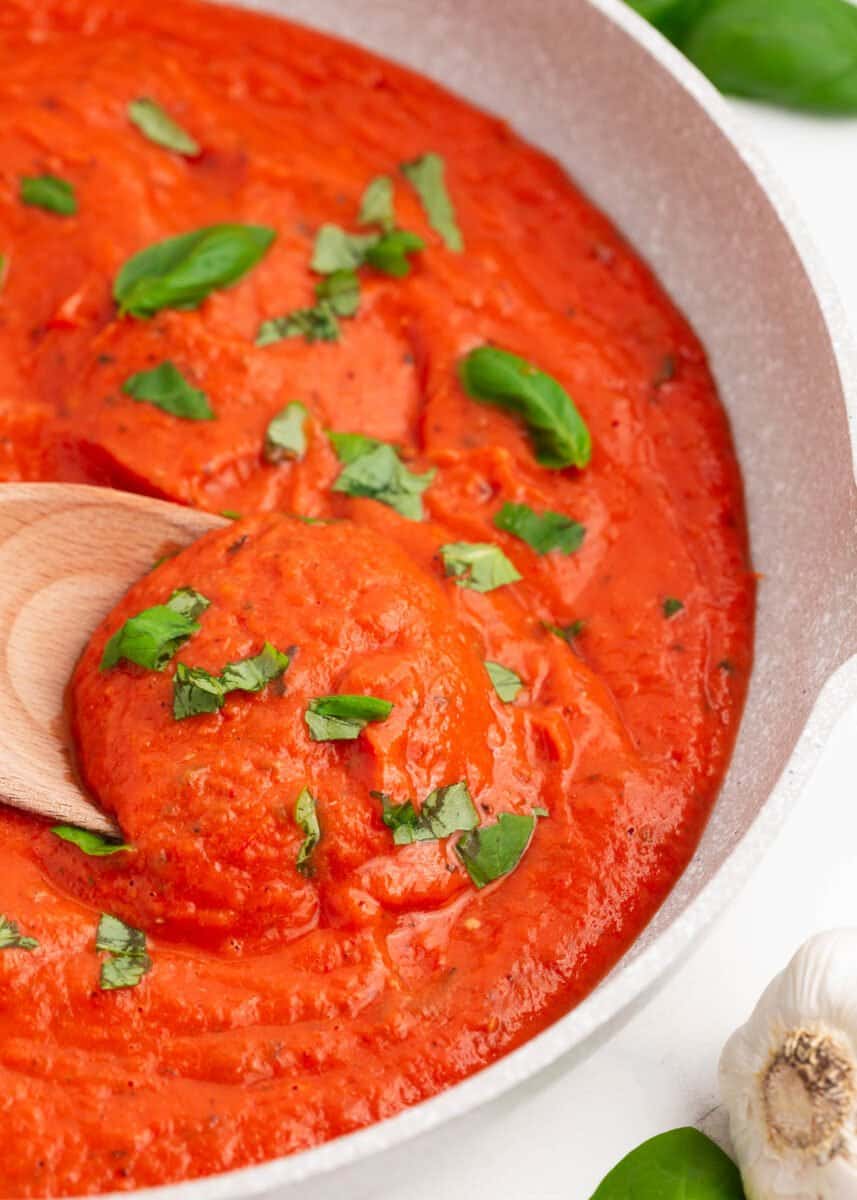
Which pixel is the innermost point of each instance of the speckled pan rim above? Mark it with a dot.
(629, 982)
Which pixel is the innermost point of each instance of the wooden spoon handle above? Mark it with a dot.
(67, 554)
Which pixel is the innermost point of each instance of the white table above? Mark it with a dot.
(555, 1139)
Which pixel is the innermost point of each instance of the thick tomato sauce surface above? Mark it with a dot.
(282, 1008)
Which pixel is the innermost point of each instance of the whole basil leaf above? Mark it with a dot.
(799, 53)
(680, 1165)
(180, 272)
(559, 433)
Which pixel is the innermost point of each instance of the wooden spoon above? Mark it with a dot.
(67, 554)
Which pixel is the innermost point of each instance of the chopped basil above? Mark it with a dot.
(231, 514)
(343, 717)
(4, 269)
(50, 193)
(11, 937)
(317, 324)
(492, 851)
(166, 388)
(444, 811)
(377, 207)
(285, 437)
(390, 254)
(188, 602)
(671, 606)
(543, 531)
(152, 637)
(197, 692)
(481, 566)
(128, 961)
(567, 632)
(426, 176)
(180, 272)
(252, 674)
(336, 250)
(680, 1165)
(159, 127)
(374, 469)
(559, 433)
(306, 817)
(506, 683)
(351, 446)
(93, 844)
(341, 291)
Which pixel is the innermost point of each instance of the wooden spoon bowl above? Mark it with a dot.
(68, 552)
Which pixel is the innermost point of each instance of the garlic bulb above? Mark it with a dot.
(789, 1078)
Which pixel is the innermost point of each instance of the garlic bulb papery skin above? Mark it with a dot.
(789, 1078)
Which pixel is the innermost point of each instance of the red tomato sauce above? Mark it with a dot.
(284, 1009)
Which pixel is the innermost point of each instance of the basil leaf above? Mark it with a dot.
(93, 844)
(340, 291)
(790, 52)
(285, 437)
(152, 637)
(306, 818)
(336, 250)
(680, 1165)
(567, 632)
(343, 718)
(116, 937)
(671, 606)
(390, 254)
(444, 811)
(4, 270)
(159, 127)
(180, 272)
(11, 937)
(123, 971)
(543, 531)
(506, 683)
(188, 602)
(196, 692)
(128, 961)
(351, 446)
(50, 193)
(374, 469)
(166, 388)
(252, 674)
(494, 850)
(376, 207)
(559, 433)
(481, 566)
(317, 324)
(671, 17)
(426, 176)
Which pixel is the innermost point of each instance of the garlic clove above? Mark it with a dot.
(789, 1078)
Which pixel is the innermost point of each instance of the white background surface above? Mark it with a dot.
(556, 1139)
